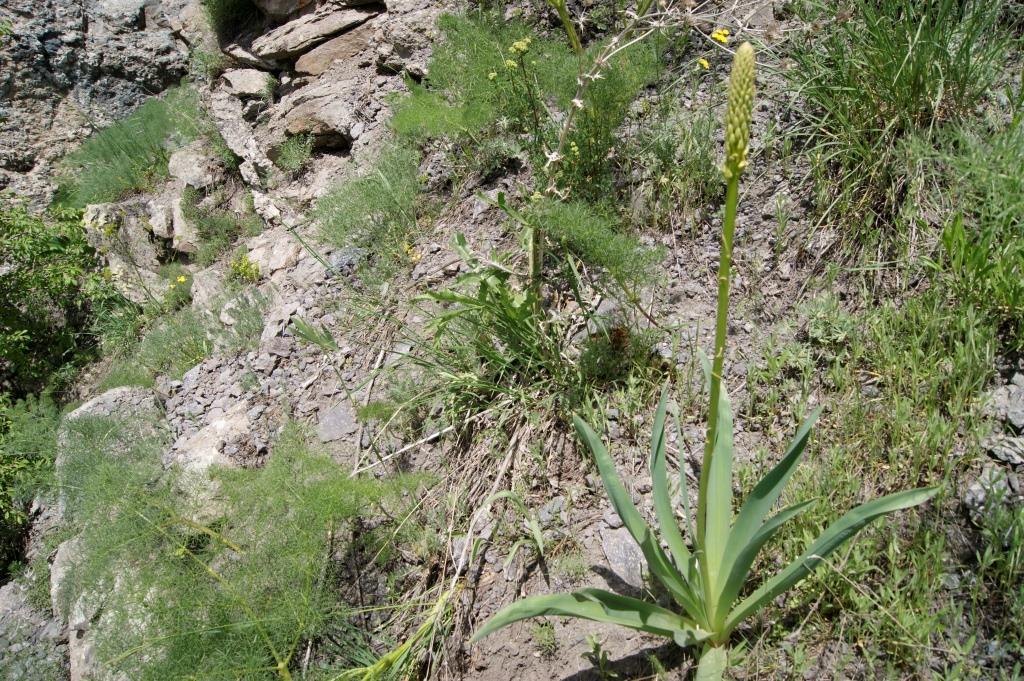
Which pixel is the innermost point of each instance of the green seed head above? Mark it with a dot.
(737, 116)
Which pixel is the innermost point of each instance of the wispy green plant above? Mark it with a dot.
(378, 210)
(707, 577)
(131, 154)
(314, 334)
(243, 594)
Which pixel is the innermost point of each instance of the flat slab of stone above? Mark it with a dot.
(342, 48)
(337, 423)
(624, 555)
(308, 31)
(248, 82)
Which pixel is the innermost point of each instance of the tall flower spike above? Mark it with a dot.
(738, 114)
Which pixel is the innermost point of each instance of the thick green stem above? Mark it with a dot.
(721, 329)
(570, 29)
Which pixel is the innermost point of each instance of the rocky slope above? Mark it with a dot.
(326, 68)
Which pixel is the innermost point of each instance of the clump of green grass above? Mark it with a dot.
(130, 155)
(897, 68)
(980, 257)
(244, 594)
(218, 228)
(378, 209)
(293, 154)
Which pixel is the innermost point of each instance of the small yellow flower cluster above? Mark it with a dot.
(182, 279)
(721, 35)
(492, 75)
(510, 64)
(520, 46)
(703, 63)
(410, 251)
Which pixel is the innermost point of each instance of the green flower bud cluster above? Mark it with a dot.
(740, 109)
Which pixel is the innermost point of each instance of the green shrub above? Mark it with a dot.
(228, 17)
(292, 154)
(896, 68)
(49, 280)
(131, 154)
(27, 448)
(378, 209)
(241, 594)
(490, 79)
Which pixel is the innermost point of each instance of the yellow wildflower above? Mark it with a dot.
(721, 35)
(520, 46)
(172, 287)
(510, 64)
(181, 279)
(492, 75)
(536, 196)
(703, 63)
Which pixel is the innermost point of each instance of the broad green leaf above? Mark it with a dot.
(599, 606)
(657, 561)
(740, 566)
(714, 660)
(662, 500)
(829, 541)
(763, 497)
(719, 502)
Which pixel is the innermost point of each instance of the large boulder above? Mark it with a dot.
(227, 113)
(326, 109)
(308, 31)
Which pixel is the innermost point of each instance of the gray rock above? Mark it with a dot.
(249, 83)
(1008, 450)
(185, 234)
(69, 65)
(226, 111)
(337, 423)
(995, 485)
(624, 555)
(196, 166)
(273, 251)
(308, 31)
